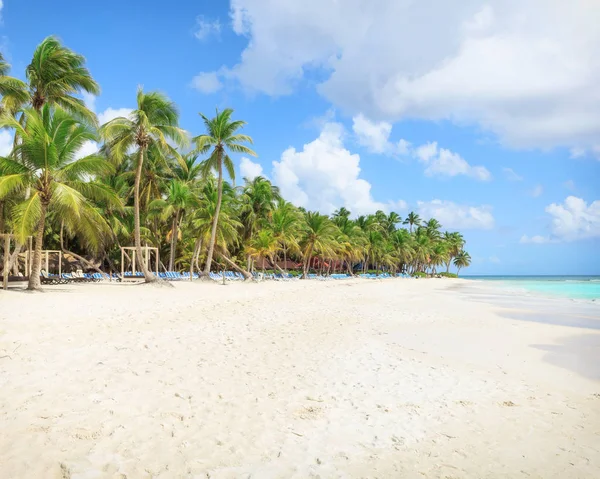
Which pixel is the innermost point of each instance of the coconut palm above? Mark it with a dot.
(263, 245)
(150, 125)
(221, 138)
(45, 162)
(13, 91)
(285, 224)
(462, 260)
(318, 234)
(178, 198)
(411, 220)
(455, 243)
(55, 74)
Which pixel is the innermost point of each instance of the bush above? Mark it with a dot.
(419, 274)
(448, 275)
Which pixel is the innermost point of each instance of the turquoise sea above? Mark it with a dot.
(575, 287)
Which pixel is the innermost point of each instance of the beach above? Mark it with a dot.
(397, 378)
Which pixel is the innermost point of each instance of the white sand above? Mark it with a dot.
(387, 379)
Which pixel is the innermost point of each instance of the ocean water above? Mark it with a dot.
(574, 287)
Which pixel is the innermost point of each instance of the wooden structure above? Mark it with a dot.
(146, 251)
(6, 253)
(46, 255)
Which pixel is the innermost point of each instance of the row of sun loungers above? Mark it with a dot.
(79, 277)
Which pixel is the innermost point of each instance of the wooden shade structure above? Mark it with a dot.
(146, 251)
(28, 257)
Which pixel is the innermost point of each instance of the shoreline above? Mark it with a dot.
(353, 378)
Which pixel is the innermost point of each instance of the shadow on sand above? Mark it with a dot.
(580, 354)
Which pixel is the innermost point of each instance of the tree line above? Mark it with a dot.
(151, 183)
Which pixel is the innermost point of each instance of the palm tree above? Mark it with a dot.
(55, 74)
(412, 219)
(462, 260)
(285, 224)
(44, 161)
(263, 245)
(13, 91)
(318, 235)
(221, 137)
(150, 125)
(455, 243)
(179, 197)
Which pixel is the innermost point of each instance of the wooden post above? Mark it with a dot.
(156, 254)
(122, 266)
(133, 263)
(60, 264)
(30, 258)
(47, 261)
(6, 258)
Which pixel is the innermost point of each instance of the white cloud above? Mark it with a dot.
(88, 148)
(112, 113)
(527, 71)
(325, 176)
(575, 219)
(403, 147)
(571, 221)
(537, 191)
(1, 7)
(207, 82)
(6, 140)
(249, 169)
(537, 239)
(455, 216)
(443, 162)
(205, 28)
(512, 175)
(373, 135)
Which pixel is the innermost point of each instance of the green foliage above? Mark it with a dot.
(448, 275)
(419, 274)
(141, 188)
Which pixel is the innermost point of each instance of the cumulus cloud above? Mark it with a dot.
(89, 100)
(112, 113)
(527, 71)
(6, 141)
(575, 219)
(536, 191)
(512, 175)
(324, 175)
(207, 82)
(205, 28)
(456, 216)
(249, 169)
(571, 220)
(443, 162)
(373, 135)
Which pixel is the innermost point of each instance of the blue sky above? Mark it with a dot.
(486, 116)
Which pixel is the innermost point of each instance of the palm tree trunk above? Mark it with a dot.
(213, 232)
(173, 241)
(34, 277)
(246, 274)
(307, 261)
(148, 276)
(195, 256)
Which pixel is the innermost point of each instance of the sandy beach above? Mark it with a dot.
(349, 379)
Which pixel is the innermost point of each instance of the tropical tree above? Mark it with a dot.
(45, 163)
(178, 198)
(55, 75)
(150, 125)
(411, 220)
(318, 235)
(220, 139)
(455, 243)
(13, 91)
(462, 260)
